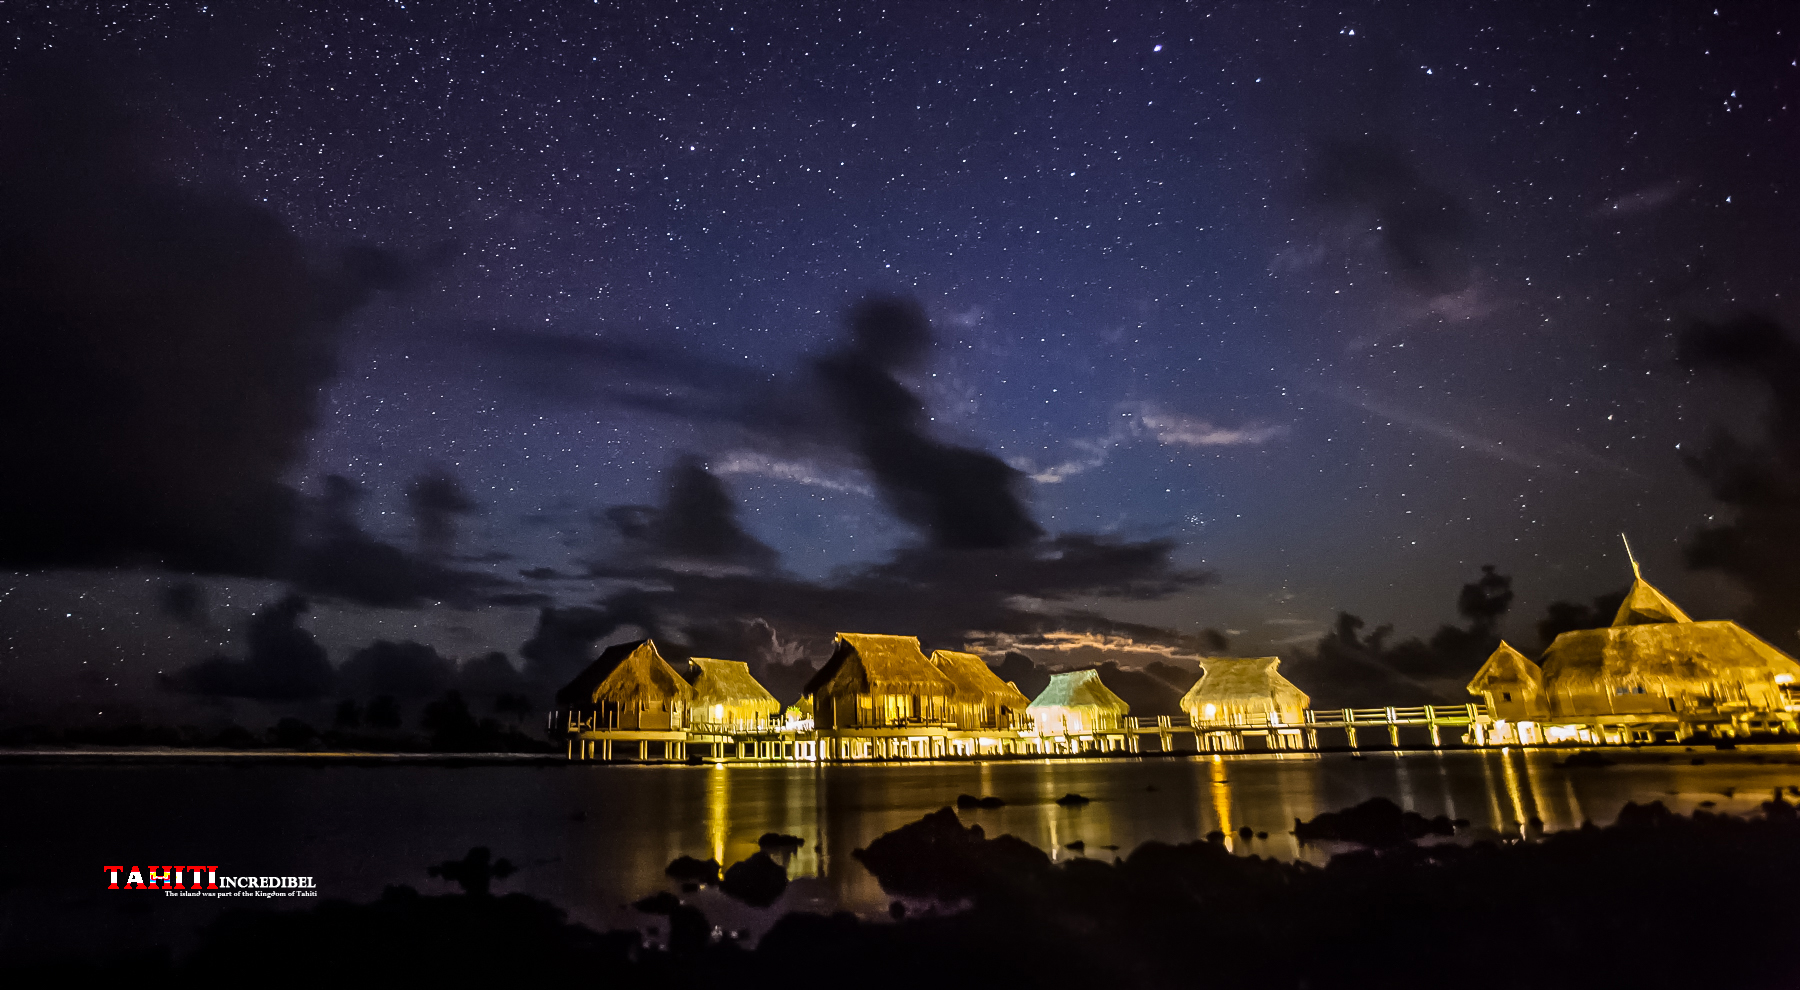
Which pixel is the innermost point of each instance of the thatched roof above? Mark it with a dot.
(1244, 685)
(1679, 655)
(729, 682)
(1079, 689)
(1506, 664)
(880, 665)
(1645, 605)
(628, 674)
(975, 682)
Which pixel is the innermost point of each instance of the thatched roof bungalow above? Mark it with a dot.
(876, 681)
(728, 698)
(1077, 703)
(981, 699)
(1241, 691)
(1510, 685)
(1653, 659)
(630, 687)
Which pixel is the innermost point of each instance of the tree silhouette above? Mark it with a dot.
(474, 873)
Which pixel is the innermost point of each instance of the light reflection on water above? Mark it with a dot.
(592, 838)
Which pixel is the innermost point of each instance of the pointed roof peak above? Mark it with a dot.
(1645, 605)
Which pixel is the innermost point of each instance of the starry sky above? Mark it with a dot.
(1232, 316)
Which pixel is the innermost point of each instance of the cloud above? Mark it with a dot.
(1174, 429)
(1422, 228)
(1140, 420)
(162, 349)
(1758, 478)
(697, 523)
(336, 557)
(753, 464)
(958, 497)
(435, 500)
(405, 670)
(283, 663)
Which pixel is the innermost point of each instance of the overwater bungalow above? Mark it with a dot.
(727, 698)
(981, 699)
(1654, 674)
(1512, 688)
(879, 697)
(629, 694)
(1077, 708)
(1244, 692)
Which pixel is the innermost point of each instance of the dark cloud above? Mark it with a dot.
(162, 349)
(283, 662)
(1561, 617)
(960, 498)
(1348, 668)
(185, 602)
(162, 346)
(1423, 228)
(697, 522)
(338, 558)
(404, 670)
(1758, 478)
(435, 500)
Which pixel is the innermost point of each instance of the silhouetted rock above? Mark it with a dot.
(1072, 800)
(937, 857)
(691, 870)
(474, 872)
(1376, 823)
(756, 881)
(661, 902)
(777, 842)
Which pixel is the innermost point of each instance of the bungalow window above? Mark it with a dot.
(1506, 696)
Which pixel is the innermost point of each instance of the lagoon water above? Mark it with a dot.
(592, 838)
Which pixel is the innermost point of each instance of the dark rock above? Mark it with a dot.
(967, 801)
(777, 842)
(937, 857)
(691, 870)
(1376, 823)
(991, 801)
(1072, 800)
(661, 902)
(1077, 845)
(756, 881)
(1246, 832)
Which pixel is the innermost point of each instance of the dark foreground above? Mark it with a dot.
(1655, 900)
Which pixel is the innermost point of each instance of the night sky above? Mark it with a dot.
(996, 324)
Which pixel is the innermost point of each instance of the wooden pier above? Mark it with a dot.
(930, 740)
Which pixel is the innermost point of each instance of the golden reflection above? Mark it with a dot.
(1496, 817)
(1513, 790)
(1540, 804)
(718, 810)
(1220, 788)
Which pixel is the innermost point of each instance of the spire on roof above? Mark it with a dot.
(1645, 605)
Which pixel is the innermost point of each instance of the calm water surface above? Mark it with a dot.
(593, 838)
